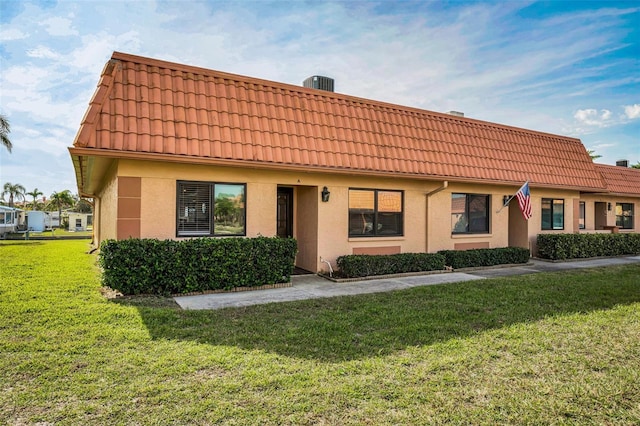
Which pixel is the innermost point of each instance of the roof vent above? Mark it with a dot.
(622, 163)
(456, 113)
(319, 82)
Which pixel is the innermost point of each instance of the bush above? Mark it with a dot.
(580, 246)
(363, 265)
(485, 257)
(152, 266)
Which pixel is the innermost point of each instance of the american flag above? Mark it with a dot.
(524, 200)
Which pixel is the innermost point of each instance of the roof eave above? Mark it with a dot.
(183, 159)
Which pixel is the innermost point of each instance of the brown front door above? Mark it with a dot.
(284, 214)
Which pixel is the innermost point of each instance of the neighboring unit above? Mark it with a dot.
(174, 151)
(9, 218)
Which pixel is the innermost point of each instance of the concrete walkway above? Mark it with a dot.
(315, 287)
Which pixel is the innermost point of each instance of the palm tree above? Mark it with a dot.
(593, 155)
(34, 194)
(14, 191)
(5, 129)
(636, 166)
(60, 199)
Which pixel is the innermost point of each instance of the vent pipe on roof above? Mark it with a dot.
(319, 82)
(622, 163)
(456, 113)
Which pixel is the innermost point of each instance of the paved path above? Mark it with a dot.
(315, 287)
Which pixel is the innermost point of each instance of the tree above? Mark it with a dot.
(83, 205)
(5, 129)
(592, 154)
(61, 199)
(636, 166)
(15, 192)
(34, 194)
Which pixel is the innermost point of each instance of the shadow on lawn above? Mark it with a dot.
(353, 327)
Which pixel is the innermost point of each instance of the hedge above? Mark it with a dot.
(580, 246)
(485, 257)
(363, 265)
(151, 266)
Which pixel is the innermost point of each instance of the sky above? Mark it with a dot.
(565, 67)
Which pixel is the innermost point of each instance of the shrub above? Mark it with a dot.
(152, 266)
(580, 246)
(363, 265)
(485, 257)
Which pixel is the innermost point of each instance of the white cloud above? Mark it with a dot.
(632, 111)
(11, 34)
(59, 26)
(42, 52)
(593, 117)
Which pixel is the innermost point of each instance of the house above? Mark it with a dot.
(79, 221)
(8, 220)
(173, 151)
(613, 209)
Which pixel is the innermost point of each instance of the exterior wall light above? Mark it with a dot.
(608, 206)
(325, 194)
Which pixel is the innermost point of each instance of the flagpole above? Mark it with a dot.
(505, 204)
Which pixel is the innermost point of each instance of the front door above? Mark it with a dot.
(284, 214)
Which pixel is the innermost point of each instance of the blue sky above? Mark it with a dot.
(569, 68)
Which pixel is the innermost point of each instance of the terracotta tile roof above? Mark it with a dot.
(620, 180)
(165, 110)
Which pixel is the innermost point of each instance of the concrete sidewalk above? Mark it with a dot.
(315, 287)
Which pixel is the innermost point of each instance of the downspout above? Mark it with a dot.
(445, 185)
(327, 262)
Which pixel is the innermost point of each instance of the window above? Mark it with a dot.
(624, 215)
(581, 216)
(469, 214)
(78, 223)
(374, 212)
(552, 213)
(210, 209)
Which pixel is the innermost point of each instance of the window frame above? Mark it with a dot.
(552, 202)
(622, 216)
(376, 222)
(211, 214)
(469, 196)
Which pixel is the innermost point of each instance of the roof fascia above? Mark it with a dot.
(92, 152)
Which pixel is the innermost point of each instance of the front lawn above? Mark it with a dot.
(559, 348)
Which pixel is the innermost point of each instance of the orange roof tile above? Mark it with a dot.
(151, 108)
(620, 180)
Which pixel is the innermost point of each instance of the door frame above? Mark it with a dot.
(288, 191)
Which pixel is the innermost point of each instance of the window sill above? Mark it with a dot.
(456, 236)
(377, 238)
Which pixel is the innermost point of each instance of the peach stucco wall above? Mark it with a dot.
(322, 227)
(105, 224)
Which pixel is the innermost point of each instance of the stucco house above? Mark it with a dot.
(174, 151)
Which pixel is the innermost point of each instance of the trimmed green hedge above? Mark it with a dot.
(580, 246)
(151, 266)
(364, 265)
(485, 257)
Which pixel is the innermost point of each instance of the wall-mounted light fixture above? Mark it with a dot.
(505, 198)
(325, 194)
(609, 206)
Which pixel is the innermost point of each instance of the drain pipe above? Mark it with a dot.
(444, 186)
(329, 264)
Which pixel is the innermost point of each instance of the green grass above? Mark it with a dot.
(558, 348)
(55, 233)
